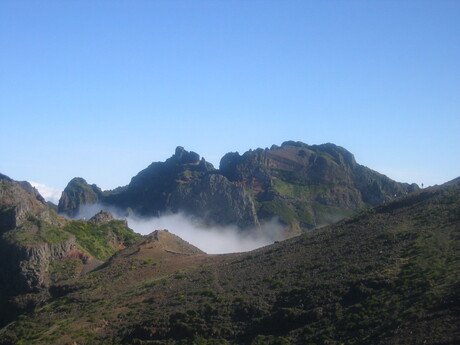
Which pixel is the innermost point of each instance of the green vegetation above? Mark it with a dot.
(298, 210)
(36, 231)
(99, 239)
(63, 269)
(299, 191)
(279, 208)
(329, 214)
(386, 276)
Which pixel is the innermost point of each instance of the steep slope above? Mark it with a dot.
(388, 275)
(307, 186)
(215, 200)
(17, 201)
(78, 193)
(39, 248)
(304, 186)
(183, 182)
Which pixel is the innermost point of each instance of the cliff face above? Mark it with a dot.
(308, 185)
(25, 269)
(149, 190)
(38, 248)
(344, 182)
(78, 193)
(17, 201)
(304, 186)
(215, 199)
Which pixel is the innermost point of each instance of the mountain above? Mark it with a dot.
(388, 275)
(39, 248)
(77, 194)
(304, 186)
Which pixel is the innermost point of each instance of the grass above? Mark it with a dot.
(300, 211)
(63, 269)
(94, 238)
(35, 231)
(279, 208)
(299, 191)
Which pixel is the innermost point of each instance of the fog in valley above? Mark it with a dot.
(214, 239)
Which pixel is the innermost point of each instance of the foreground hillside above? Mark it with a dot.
(389, 275)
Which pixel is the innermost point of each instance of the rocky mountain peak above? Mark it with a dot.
(189, 160)
(304, 186)
(17, 201)
(78, 193)
(181, 156)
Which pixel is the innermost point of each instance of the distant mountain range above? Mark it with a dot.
(387, 275)
(304, 186)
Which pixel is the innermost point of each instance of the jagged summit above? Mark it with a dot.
(18, 199)
(76, 194)
(303, 186)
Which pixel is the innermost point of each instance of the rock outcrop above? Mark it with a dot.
(24, 269)
(103, 217)
(216, 200)
(148, 192)
(78, 193)
(17, 201)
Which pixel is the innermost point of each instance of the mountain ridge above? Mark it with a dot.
(304, 186)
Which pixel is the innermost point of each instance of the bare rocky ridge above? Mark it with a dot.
(78, 193)
(17, 201)
(303, 186)
(216, 200)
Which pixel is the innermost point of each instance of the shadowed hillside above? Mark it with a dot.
(388, 275)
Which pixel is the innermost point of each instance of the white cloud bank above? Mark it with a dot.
(49, 193)
(210, 239)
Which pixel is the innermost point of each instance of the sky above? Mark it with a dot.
(100, 89)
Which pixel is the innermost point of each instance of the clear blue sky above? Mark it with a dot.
(100, 89)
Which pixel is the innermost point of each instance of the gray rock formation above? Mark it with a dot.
(17, 201)
(103, 217)
(78, 193)
(304, 186)
(216, 200)
(25, 268)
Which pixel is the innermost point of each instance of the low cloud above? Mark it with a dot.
(49, 193)
(210, 239)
